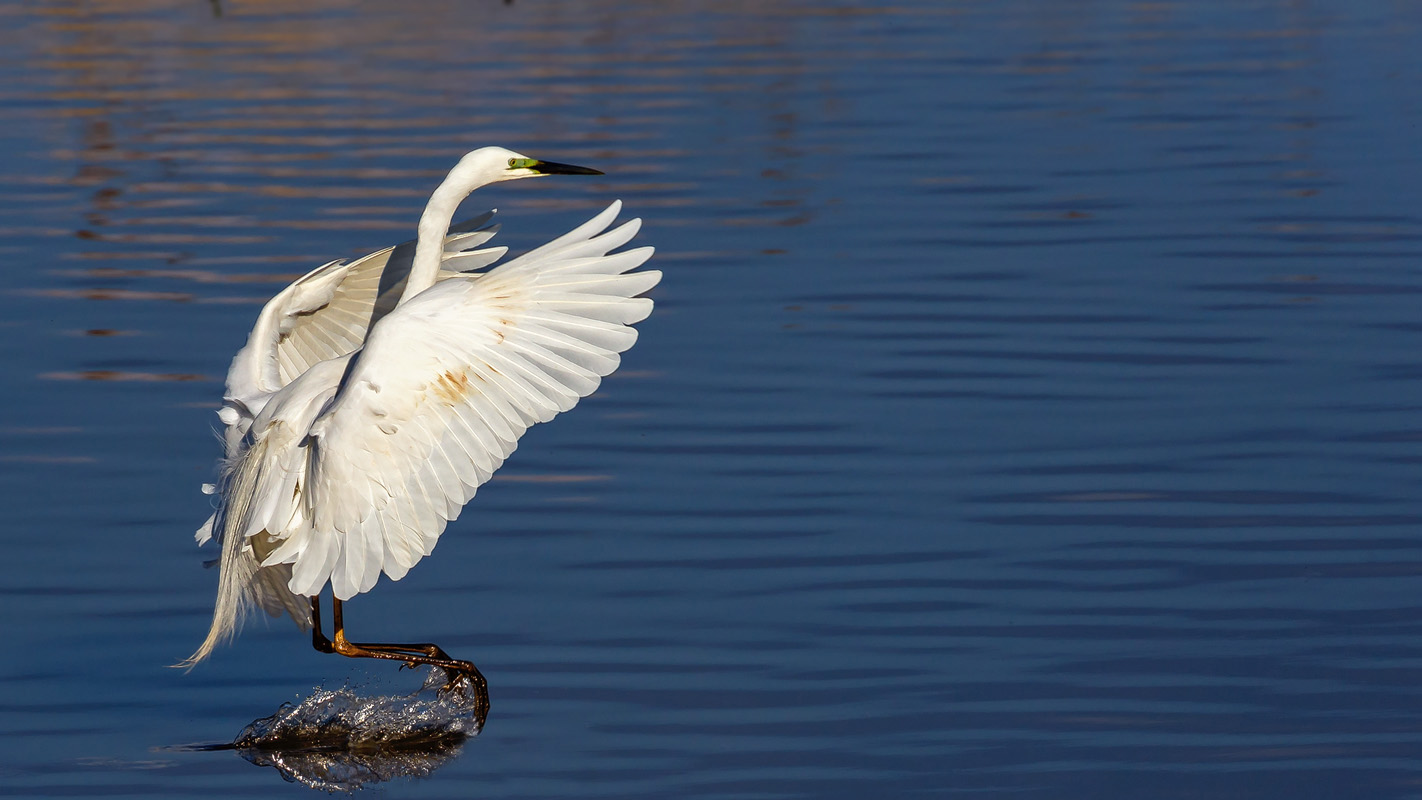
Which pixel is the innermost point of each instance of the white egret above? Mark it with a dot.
(347, 465)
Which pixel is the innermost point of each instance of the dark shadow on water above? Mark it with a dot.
(338, 741)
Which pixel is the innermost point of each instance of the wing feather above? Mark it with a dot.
(472, 436)
(470, 260)
(590, 360)
(464, 242)
(447, 486)
(497, 409)
(518, 381)
(554, 380)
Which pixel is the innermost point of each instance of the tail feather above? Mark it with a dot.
(238, 565)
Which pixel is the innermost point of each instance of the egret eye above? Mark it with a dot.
(513, 162)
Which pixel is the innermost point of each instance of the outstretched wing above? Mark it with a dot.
(446, 385)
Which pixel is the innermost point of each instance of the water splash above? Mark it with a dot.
(337, 741)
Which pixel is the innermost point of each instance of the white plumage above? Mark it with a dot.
(356, 433)
(327, 313)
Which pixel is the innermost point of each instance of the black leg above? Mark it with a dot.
(318, 639)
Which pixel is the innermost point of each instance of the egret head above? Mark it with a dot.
(477, 168)
(499, 164)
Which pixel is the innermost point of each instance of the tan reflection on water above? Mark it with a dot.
(121, 375)
(111, 294)
(195, 275)
(103, 333)
(199, 148)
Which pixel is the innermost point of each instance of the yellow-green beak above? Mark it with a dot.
(553, 167)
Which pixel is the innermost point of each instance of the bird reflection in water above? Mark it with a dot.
(338, 741)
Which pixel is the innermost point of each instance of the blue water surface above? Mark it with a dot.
(1030, 408)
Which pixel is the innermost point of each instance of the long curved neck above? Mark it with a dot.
(434, 224)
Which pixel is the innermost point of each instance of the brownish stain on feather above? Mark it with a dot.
(451, 387)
